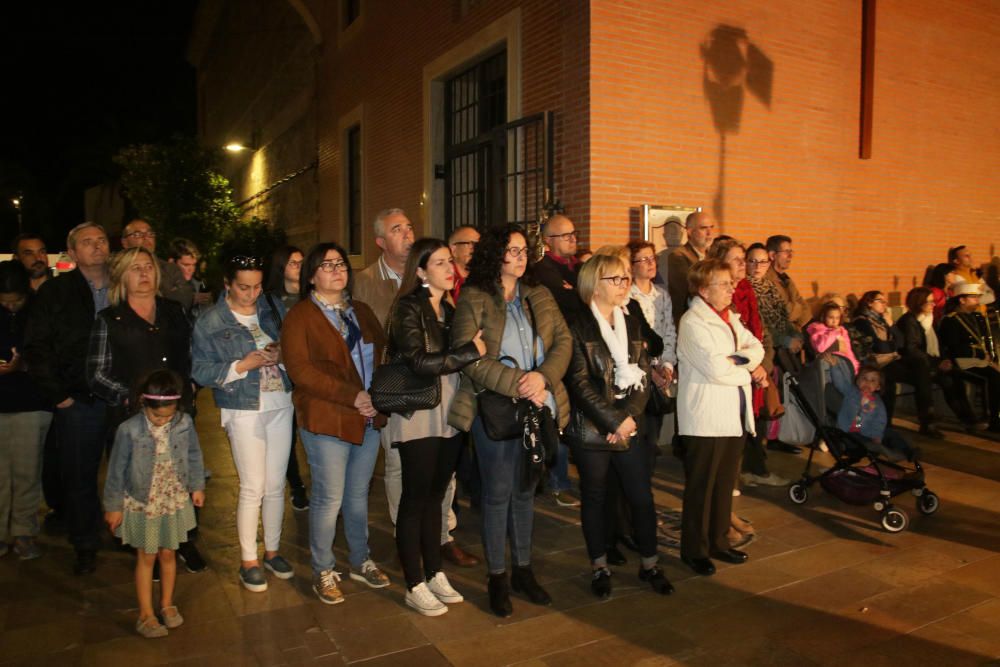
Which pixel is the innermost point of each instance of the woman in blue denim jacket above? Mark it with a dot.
(236, 352)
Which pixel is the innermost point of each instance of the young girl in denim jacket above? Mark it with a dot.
(155, 480)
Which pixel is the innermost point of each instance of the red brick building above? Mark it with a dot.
(749, 108)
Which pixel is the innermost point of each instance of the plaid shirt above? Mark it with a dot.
(99, 367)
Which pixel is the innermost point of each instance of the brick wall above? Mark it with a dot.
(792, 167)
(380, 67)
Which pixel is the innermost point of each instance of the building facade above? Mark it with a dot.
(477, 111)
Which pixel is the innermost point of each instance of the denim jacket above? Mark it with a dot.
(219, 340)
(130, 469)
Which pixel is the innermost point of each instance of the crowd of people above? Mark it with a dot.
(599, 349)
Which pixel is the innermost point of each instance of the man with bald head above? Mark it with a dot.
(173, 285)
(701, 231)
(558, 268)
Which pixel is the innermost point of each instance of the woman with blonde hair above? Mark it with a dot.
(609, 384)
(140, 332)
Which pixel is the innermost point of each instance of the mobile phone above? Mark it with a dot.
(739, 359)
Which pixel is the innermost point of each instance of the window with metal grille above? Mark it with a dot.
(496, 171)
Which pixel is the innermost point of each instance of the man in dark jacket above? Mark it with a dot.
(966, 339)
(557, 269)
(56, 353)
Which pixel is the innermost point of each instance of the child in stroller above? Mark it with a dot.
(863, 435)
(863, 413)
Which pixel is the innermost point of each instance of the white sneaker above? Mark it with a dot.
(441, 588)
(770, 479)
(420, 598)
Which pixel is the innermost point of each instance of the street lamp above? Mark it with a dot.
(236, 147)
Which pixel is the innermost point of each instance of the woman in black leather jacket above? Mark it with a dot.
(608, 380)
(428, 447)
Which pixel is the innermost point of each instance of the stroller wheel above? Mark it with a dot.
(928, 503)
(798, 493)
(894, 520)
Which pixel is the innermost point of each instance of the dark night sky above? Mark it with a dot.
(81, 80)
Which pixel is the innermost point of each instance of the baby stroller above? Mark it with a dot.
(858, 483)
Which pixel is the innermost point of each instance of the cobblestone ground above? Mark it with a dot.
(824, 585)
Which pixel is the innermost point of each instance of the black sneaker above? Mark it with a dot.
(300, 501)
(193, 562)
(600, 584)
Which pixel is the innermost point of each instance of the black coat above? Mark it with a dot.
(590, 381)
(58, 335)
(556, 277)
(913, 338)
(422, 341)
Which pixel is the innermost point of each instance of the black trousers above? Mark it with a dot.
(427, 466)
(913, 371)
(80, 429)
(755, 453)
(992, 378)
(632, 468)
(710, 467)
(617, 513)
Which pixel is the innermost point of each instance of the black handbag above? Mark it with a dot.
(499, 414)
(396, 389)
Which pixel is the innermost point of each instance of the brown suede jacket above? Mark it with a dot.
(320, 365)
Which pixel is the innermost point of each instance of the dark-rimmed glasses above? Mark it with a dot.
(618, 281)
(333, 265)
(566, 236)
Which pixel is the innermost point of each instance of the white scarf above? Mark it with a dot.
(627, 376)
(927, 322)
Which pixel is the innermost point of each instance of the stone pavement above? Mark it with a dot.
(824, 586)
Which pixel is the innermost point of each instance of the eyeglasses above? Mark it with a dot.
(565, 237)
(644, 260)
(247, 262)
(137, 236)
(724, 284)
(516, 252)
(618, 281)
(758, 262)
(471, 244)
(333, 266)
(786, 251)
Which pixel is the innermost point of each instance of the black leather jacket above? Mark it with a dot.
(422, 341)
(590, 381)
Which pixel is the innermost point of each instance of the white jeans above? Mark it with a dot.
(394, 490)
(260, 442)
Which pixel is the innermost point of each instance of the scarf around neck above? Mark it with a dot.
(627, 376)
(927, 323)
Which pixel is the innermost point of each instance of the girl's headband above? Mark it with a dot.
(162, 397)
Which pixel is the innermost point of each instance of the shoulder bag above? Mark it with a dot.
(395, 388)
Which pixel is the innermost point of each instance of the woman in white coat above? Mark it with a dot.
(715, 353)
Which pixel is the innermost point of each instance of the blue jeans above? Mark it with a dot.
(508, 508)
(559, 474)
(341, 473)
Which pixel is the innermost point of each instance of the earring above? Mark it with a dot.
(423, 282)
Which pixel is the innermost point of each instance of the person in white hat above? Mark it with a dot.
(966, 339)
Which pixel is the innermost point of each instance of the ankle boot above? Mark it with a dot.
(522, 580)
(500, 595)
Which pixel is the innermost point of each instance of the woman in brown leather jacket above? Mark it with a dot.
(608, 380)
(419, 334)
